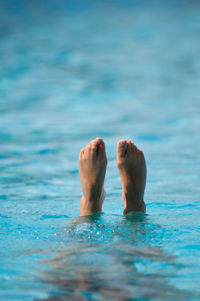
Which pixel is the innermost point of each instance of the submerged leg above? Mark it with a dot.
(92, 169)
(132, 169)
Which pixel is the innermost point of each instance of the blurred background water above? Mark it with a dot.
(71, 71)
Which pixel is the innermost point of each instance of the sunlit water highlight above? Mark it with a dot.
(70, 73)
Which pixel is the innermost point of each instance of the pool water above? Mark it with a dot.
(73, 71)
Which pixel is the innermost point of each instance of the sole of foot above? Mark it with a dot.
(132, 168)
(92, 169)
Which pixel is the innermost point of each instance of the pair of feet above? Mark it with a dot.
(92, 168)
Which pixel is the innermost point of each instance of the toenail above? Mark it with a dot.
(124, 143)
(99, 142)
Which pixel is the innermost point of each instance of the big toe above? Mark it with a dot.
(122, 148)
(98, 147)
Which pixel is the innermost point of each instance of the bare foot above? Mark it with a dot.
(132, 168)
(92, 168)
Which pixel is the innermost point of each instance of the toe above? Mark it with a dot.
(130, 146)
(133, 151)
(136, 151)
(122, 148)
(141, 155)
(86, 151)
(96, 145)
(134, 148)
(81, 155)
(101, 149)
(99, 141)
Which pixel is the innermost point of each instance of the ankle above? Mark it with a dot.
(132, 206)
(89, 206)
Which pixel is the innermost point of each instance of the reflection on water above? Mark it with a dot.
(116, 259)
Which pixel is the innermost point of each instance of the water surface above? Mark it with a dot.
(74, 71)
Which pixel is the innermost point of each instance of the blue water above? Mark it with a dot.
(73, 71)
